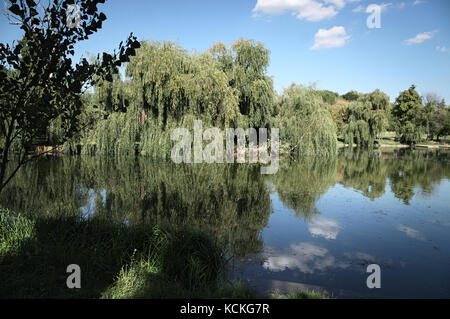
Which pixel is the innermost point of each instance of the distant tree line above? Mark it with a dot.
(413, 118)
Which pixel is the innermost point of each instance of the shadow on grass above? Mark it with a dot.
(116, 260)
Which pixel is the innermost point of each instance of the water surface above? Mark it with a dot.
(316, 224)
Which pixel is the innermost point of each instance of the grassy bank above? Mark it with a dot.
(301, 295)
(116, 260)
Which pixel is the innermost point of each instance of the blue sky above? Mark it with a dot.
(326, 42)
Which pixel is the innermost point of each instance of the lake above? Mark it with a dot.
(316, 224)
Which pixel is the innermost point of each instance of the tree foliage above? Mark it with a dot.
(39, 83)
(437, 115)
(351, 96)
(338, 112)
(168, 87)
(409, 116)
(246, 64)
(328, 96)
(170, 83)
(366, 118)
(307, 125)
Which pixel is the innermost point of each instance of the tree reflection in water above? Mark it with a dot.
(231, 201)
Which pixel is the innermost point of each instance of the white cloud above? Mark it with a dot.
(420, 38)
(338, 3)
(305, 257)
(311, 10)
(411, 232)
(324, 227)
(333, 38)
(442, 49)
(359, 8)
(383, 6)
(416, 2)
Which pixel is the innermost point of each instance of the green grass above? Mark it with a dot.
(388, 134)
(388, 138)
(116, 260)
(386, 141)
(441, 142)
(14, 230)
(301, 295)
(140, 281)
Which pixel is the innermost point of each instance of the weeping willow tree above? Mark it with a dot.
(169, 83)
(366, 118)
(165, 88)
(245, 64)
(109, 120)
(306, 125)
